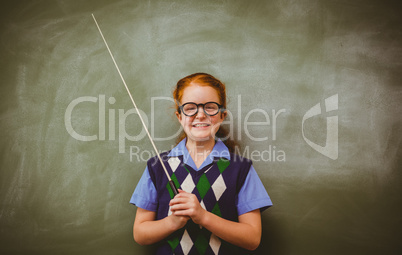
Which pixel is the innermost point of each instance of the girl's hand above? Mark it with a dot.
(186, 204)
(177, 222)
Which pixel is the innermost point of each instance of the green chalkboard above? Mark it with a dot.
(315, 101)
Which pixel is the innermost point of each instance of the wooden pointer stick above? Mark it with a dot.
(171, 183)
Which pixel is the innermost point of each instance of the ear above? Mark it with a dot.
(224, 114)
(178, 115)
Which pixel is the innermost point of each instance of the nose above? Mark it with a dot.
(200, 114)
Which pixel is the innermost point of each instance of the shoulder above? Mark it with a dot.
(154, 161)
(239, 159)
(155, 168)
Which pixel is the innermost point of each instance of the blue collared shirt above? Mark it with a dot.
(251, 196)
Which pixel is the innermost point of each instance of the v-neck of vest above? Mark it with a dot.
(202, 170)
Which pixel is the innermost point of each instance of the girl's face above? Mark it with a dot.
(200, 127)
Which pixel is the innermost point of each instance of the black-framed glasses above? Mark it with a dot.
(210, 108)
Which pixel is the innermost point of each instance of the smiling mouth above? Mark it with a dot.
(201, 125)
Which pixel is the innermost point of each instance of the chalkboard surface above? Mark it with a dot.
(315, 101)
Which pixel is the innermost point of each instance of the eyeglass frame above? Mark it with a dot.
(220, 108)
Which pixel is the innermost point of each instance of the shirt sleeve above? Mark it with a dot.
(253, 194)
(145, 195)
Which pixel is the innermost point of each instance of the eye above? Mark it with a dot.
(190, 107)
(211, 107)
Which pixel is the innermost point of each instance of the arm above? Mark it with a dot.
(147, 230)
(246, 233)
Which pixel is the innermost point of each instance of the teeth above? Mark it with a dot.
(201, 125)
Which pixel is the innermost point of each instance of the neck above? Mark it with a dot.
(199, 150)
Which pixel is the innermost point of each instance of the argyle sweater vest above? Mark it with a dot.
(216, 187)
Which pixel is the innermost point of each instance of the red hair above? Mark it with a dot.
(202, 79)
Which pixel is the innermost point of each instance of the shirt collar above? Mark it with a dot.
(219, 151)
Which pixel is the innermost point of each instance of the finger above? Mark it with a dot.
(177, 201)
(179, 207)
(181, 213)
(184, 194)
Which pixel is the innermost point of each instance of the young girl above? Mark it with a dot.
(217, 210)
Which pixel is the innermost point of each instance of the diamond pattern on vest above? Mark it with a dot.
(214, 243)
(174, 162)
(203, 188)
(186, 242)
(188, 184)
(219, 187)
